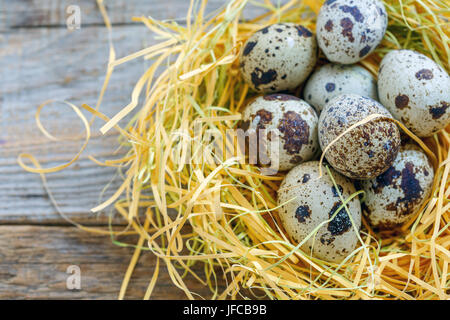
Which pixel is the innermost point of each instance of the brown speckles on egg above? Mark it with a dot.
(384, 180)
(329, 26)
(354, 11)
(330, 87)
(302, 213)
(312, 203)
(249, 47)
(391, 206)
(335, 192)
(364, 51)
(440, 110)
(295, 132)
(347, 28)
(260, 77)
(381, 11)
(424, 74)
(401, 101)
(341, 222)
(265, 117)
(325, 239)
(306, 178)
(395, 196)
(303, 32)
(409, 184)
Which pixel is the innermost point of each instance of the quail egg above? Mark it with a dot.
(415, 90)
(332, 80)
(393, 197)
(279, 57)
(308, 202)
(348, 30)
(367, 150)
(291, 128)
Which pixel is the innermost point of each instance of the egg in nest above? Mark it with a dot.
(349, 30)
(393, 197)
(309, 201)
(279, 57)
(416, 90)
(332, 80)
(290, 130)
(367, 150)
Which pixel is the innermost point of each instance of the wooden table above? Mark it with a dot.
(41, 59)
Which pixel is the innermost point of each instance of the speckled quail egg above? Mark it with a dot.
(349, 30)
(415, 90)
(393, 197)
(308, 201)
(332, 80)
(367, 150)
(278, 57)
(291, 127)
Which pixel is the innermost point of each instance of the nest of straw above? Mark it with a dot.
(194, 83)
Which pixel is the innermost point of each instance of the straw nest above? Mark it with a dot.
(229, 206)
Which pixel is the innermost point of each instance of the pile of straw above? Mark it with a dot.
(194, 84)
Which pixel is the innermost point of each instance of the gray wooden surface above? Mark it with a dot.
(41, 59)
(34, 262)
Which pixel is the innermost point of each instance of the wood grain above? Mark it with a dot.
(41, 64)
(34, 262)
(41, 59)
(53, 13)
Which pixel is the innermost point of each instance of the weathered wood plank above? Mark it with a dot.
(54, 13)
(41, 64)
(40, 60)
(34, 261)
(38, 64)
